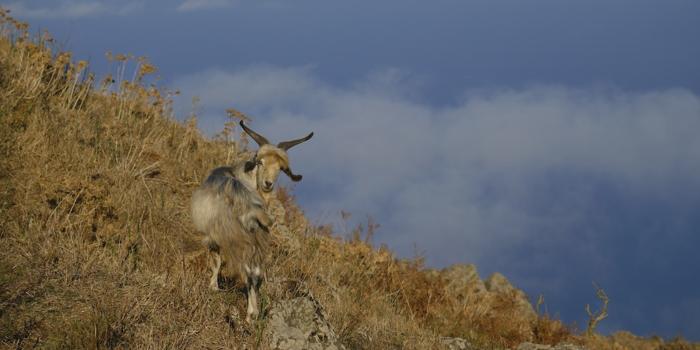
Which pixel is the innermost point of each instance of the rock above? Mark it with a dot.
(498, 283)
(456, 344)
(300, 323)
(463, 280)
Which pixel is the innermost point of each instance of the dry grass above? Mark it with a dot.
(628, 341)
(99, 252)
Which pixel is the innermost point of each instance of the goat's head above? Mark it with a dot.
(270, 159)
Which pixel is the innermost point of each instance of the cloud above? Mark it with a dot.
(70, 9)
(194, 5)
(380, 147)
(555, 186)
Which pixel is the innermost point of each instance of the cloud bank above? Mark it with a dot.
(555, 186)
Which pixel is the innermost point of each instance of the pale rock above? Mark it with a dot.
(298, 324)
(456, 344)
(463, 280)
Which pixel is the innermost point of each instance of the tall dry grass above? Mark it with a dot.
(99, 252)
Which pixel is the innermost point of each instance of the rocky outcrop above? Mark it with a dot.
(463, 280)
(300, 323)
(498, 283)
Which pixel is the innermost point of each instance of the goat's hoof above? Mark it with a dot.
(250, 319)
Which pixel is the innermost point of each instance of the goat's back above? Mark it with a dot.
(221, 195)
(217, 206)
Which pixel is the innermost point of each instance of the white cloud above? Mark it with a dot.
(497, 172)
(70, 9)
(130, 7)
(194, 5)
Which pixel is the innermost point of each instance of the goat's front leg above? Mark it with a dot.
(215, 264)
(254, 219)
(264, 220)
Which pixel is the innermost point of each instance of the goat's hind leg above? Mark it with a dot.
(253, 281)
(215, 264)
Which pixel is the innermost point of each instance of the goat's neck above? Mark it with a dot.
(267, 197)
(250, 181)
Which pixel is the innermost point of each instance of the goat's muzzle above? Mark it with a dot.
(267, 186)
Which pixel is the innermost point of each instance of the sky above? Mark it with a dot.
(552, 141)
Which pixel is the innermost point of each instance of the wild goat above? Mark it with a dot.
(229, 208)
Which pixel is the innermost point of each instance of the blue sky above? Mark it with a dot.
(552, 141)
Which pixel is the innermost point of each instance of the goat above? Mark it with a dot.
(229, 208)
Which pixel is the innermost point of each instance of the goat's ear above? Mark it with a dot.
(249, 165)
(294, 177)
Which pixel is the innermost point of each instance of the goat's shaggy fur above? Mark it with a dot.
(229, 208)
(232, 215)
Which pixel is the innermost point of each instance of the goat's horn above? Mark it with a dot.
(294, 177)
(286, 145)
(261, 140)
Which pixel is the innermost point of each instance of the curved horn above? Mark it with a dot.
(286, 145)
(261, 140)
(294, 177)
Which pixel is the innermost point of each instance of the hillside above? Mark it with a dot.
(99, 251)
